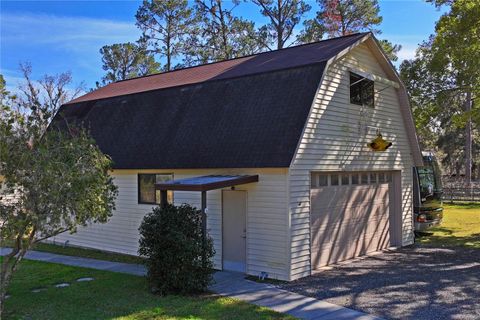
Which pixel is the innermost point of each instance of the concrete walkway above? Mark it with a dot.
(135, 269)
(234, 285)
(229, 284)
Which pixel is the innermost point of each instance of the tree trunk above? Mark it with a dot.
(169, 55)
(223, 30)
(280, 26)
(468, 140)
(10, 264)
(6, 270)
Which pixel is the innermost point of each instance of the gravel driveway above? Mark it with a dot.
(409, 283)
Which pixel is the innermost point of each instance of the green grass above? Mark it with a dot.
(460, 227)
(111, 296)
(84, 253)
(87, 253)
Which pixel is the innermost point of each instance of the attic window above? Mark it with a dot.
(361, 90)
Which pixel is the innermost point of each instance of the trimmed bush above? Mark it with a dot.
(171, 241)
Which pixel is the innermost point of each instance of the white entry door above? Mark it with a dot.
(234, 210)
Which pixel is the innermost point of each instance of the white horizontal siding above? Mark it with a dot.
(8, 198)
(335, 139)
(267, 218)
(120, 234)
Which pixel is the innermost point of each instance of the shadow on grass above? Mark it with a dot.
(448, 231)
(204, 308)
(472, 241)
(463, 205)
(111, 296)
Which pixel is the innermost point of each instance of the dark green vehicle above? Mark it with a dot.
(427, 194)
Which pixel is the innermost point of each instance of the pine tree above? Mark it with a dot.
(220, 34)
(126, 60)
(344, 17)
(283, 16)
(165, 24)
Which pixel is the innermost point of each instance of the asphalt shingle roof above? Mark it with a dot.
(241, 113)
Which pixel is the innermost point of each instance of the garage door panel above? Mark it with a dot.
(360, 225)
(342, 214)
(326, 198)
(337, 252)
(353, 231)
(337, 216)
(348, 221)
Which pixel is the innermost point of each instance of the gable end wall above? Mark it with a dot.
(335, 138)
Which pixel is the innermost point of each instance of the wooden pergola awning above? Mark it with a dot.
(202, 184)
(206, 183)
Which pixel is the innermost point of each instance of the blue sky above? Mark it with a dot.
(56, 36)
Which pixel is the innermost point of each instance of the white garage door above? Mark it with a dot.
(350, 215)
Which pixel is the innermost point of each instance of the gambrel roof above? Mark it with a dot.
(242, 113)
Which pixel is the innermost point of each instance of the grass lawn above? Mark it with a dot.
(81, 252)
(87, 253)
(111, 296)
(460, 227)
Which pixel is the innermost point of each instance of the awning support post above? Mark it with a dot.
(204, 214)
(204, 224)
(163, 198)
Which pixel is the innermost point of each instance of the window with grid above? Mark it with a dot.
(320, 179)
(146, 187)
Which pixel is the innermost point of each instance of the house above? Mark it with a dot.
(281, 141)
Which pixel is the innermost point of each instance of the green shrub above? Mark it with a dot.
(172, 243)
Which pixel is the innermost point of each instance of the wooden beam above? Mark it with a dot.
(178, 186)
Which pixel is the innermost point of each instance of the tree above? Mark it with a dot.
(283, 16)
(5, 96)
(390, 49)
(46, 95)
(437, 101)
(456, 46)
(165, 24)
(126, 60)
(220, 34)
(344, 17)
(433, 97)
(312, 31)
(53, 180)
(439, 3)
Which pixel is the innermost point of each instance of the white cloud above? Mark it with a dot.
(407, 52)
(55, 44)
(70, 33)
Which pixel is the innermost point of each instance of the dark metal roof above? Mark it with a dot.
(259, 63)
(251, 120)
(205, 183)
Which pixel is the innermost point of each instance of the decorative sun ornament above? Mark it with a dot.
(379, 144)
